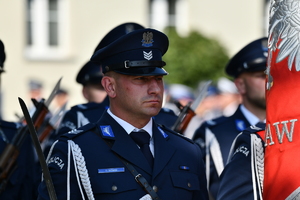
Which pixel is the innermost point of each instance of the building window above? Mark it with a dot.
(169, 13)
(47, 30)
(53, 23)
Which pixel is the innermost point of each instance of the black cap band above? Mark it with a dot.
(255, 62)
(141, 63)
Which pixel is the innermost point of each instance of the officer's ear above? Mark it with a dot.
(240, 84)
(108, 84)
(85, 93)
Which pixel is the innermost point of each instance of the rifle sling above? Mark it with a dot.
(137, 176)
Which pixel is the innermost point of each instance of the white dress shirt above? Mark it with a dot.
(129, 128)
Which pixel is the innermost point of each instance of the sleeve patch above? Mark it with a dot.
(242, 149)
(57, 161)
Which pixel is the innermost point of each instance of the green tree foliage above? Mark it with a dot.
(193, 59)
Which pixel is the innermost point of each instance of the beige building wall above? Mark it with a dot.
(234, 23)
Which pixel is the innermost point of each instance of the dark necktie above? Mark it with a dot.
(142, 139)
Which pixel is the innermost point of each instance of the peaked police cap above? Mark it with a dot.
(137, 53)
(117, 32)
(89, 73)
(251, 58)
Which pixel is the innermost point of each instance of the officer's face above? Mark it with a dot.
(253, 88)
(136, 97)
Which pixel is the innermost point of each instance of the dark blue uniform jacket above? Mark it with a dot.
(178, 171)
(23, 182)
(224, 130)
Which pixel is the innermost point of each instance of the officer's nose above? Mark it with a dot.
(155, 86)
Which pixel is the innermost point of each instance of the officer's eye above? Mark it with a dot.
(159, 78)
(263, 76)
(141, 78)
(147, 79)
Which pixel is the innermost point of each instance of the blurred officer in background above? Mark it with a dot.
(90, 76)
(169, 162)
(175, 95)
(178, 93)
(216, 136)
(19, 181)
(35, 89)
(229, 97)
(269, 153)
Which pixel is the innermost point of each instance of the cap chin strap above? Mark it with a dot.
(129, 64)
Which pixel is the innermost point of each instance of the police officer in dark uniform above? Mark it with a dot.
(94, 160)
(216, 136)
(90, 76)
(19, 182)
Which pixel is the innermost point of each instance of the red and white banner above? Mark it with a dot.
(282, 135)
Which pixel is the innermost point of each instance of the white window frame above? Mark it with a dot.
(160, 16)
(39, 49)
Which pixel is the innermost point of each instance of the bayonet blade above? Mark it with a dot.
(34, 137)
(201, 96)
(53, 93)
(56, 118)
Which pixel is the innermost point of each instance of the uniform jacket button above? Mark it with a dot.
(155, 188)
(189, 185)
(114, 188)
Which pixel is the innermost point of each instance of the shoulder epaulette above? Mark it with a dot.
(79, 131)
(255, 128)
(84, 106)
(214, 122)
(78, 107)
(175, 133)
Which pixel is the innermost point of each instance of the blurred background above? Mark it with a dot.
(49, 39)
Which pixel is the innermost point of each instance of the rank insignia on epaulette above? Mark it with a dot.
(162, 132)
(75, 131)
(107, 131)
(253, 127)
(240, 125)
